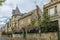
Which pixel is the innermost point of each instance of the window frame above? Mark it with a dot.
(53, 12)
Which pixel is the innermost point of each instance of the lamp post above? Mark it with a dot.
(24, 33)
(40, 32)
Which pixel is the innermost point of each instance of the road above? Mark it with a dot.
(5, 38)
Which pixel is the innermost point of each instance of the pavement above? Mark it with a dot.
(8, 38)
(5, 38)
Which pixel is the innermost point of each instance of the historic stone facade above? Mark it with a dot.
(53, 10)
(25, 20)
(20, 20)
(13, 22)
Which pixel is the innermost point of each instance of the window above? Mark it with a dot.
(15, 24)
(52, 11)
(29, 20)
(55, 9)
(21, 22)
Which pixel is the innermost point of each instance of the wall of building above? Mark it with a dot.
(56, 16)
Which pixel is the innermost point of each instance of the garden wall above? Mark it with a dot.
(42, 36)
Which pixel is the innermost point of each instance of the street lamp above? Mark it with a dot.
(24, 32)
(40, 32)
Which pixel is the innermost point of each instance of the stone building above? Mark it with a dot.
(15, 16)
(53, 8)
(13, 22)
(20, 20)
(25, 20)
(6, 27)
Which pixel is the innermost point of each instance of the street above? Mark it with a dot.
(7, 38)
(4, 38)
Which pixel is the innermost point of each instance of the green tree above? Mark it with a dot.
(40, 22)
(45, 15)
(46, 20)
(1, 1)
(14, 29)
(32, 23)
(44, 23)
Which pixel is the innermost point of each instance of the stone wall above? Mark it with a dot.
(43, 36)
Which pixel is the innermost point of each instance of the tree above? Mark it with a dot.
(40, 22)
(14, 29)
(1, 1)
(45, 15)
(46, 20)
(32, 23)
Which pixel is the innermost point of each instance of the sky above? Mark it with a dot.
(23, 5)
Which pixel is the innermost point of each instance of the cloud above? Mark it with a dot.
(5, 11)
(2, 23)
(2, 19)
(11, 3)
(28, 5)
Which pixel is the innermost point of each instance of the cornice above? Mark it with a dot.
(51, 3)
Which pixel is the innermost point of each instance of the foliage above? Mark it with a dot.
(45, 15)
(29, 26)
(47, 25)
(13, 29)
(44, 23)
(53, 26)
(1, 1)
(33, 22)
(40, 22)
(17, 32)
(6, 33)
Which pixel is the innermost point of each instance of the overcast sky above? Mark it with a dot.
(24, 6)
